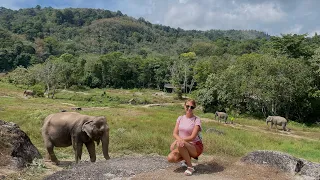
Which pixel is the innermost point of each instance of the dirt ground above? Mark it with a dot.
(156, 167)
(210, 167)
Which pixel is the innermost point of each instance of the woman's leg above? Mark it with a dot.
(174, 156)
(187, 151)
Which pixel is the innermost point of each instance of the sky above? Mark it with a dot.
(274, 17)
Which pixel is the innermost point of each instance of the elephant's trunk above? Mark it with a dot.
(105, 144)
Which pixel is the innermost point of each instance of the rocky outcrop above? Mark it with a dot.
(284, 162)
(16, 148)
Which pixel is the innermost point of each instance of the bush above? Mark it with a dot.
(38, 90)
(78, 87)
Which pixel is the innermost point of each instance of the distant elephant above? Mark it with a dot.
(64, 129)
(277, 120)
(28, 93)
(221, 115)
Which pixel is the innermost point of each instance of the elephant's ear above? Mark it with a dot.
(87, 127)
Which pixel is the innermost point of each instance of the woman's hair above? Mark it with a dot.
(192, 101)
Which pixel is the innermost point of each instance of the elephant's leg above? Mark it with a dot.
(77, 147)
(92, 150)
(78, 151)
(284, 126)
(50, 153)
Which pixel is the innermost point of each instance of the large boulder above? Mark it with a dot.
(284, 162)
(15, 146)
(310, 170)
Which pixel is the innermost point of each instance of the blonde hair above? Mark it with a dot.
(192, 101)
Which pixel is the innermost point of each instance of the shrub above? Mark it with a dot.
(38, 90)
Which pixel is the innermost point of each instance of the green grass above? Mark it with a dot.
(138, 129)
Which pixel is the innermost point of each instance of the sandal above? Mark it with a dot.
(183, 163)
(189, 171)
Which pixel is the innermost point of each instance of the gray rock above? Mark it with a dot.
(310, 170)
(19, 150)
(285, 162)
(216, 131)
(282, 161)
(116, 168)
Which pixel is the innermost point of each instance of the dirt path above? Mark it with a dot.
(254, 128)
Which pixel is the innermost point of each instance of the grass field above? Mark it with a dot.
(148, 130)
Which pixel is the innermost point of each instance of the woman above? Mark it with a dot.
(188, 143)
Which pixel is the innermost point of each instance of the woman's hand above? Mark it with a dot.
(180, 143)
(173, 145)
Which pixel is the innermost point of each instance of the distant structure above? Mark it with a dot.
(168, 88)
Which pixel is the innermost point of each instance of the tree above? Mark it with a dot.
(20, 75)
(188, 61)
(294, 46)
(264, 84)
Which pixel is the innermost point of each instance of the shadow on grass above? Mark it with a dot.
(62, 164)
(208, 168)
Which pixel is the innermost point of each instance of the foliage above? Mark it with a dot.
(38, 90)
(249, 70)
(267, 85)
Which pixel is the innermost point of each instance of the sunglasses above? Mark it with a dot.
(192, 107)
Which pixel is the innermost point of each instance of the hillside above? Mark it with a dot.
(94, 48)
(99, 31)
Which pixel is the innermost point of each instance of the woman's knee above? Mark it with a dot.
(172, 158)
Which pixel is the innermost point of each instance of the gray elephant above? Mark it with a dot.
(277, 120)
(221, 115)
(64, 129)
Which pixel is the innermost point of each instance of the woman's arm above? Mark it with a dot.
(194, 134)
(176, 132)
(172, 146)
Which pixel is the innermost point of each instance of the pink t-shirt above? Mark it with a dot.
(186, 126)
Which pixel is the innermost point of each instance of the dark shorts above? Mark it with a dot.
(199, 147)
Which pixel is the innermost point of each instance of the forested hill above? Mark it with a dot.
(244, 71)
(103, 31)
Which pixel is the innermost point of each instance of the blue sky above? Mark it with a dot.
(274, 17)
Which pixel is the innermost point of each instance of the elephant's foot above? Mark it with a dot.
(53, 160)
(57, 162)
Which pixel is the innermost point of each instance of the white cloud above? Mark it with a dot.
(183, 1)
(295, 29)
(217, 15)
(267, 12)
(312, 33)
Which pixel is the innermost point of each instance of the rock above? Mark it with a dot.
(114, 168)
(310, 170)
(216, 131)
(28, 93)
(132, 101)
(16, 149)
(284, 162)
(76, 108)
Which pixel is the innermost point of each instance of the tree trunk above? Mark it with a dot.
(48, 89)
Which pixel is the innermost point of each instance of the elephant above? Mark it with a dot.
(64, 129)
(221, 115)
(28, 93)
(277, 120)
